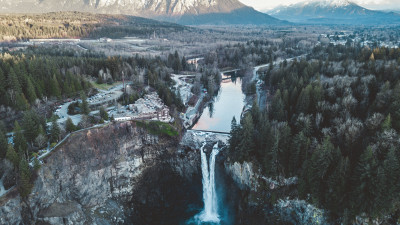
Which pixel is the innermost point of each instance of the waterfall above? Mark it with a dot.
(210, 198)
(2, 189)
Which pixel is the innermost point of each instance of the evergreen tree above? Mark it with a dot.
(12, 156)
(337, 194)
(25, 185)
(14, 82)
(84, 105)
(69, 125)
(30, 91)
(234, 139)
(283, 148)
(54, 132)
(389, 183)
(387, 124)
(3, 87)
(255, 113)
(3, 144)
(246, 145)
(321, 161)
(183, 63)
(299, 152)
(20, 102)
(19, 139)
(395, 107)
(304, 100)
(54, 87)
(103, 113)
(36, 164)
(366, 175)
(31, 123)
(276, 111)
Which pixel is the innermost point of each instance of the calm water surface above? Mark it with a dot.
(228, 104)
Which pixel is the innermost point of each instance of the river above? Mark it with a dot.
(228, 104)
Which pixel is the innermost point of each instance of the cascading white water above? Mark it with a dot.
(210, 198)
(2, 189)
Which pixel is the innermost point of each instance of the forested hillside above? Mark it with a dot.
(78, 25)
(30, 76)
(333, 121)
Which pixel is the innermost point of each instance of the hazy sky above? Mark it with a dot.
(370, 4)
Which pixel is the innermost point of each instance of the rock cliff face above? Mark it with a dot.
(243, 175)
(270, 200)
(105, 176)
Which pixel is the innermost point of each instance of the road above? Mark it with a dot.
(183, 87)
(104, 96)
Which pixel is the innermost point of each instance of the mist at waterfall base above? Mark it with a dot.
(215, 208)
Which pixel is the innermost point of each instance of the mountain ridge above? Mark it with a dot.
(181, 11)
(333, 12)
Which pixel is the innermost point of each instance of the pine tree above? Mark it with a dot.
(36, 164)
(69, 125)
(337, 195)
(103, 113)
(304, 100)
(20, 102)
(3, 144)
(54, 131)
(25, 185)
(54, 88)
(366, 175)
(255, 113)
(84, 105)
(234, 138)
(299, 152)
(31, 123)
(19, 139)
(276, 111)
(321, 161)
(389, 182)
(12, 155)
(2, 87)
(183, 63)
(14, 82)
(387, 124)
(30, 91)
(246, 145)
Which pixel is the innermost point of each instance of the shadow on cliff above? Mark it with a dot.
(163, 196)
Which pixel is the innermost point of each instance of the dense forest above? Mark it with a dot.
(79, 25)
(333, 122)
(38, 76)
(56, 73)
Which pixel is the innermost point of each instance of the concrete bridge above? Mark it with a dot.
(230, 71)
(195, 138)
(210, 131)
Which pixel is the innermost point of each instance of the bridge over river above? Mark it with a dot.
(214, 132)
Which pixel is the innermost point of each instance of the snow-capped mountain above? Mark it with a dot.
(334, 12)
(182, 11)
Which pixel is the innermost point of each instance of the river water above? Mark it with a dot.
(217, 116)
(228, 104)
